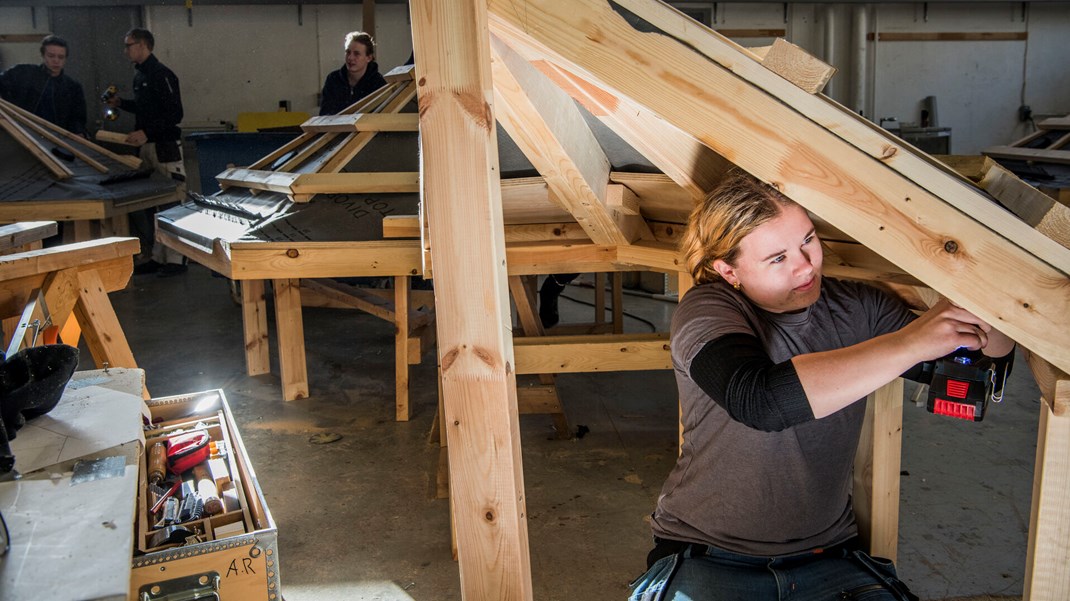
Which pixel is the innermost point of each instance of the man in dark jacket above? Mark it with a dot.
(357, 78)
(45, 90)
(157, 109)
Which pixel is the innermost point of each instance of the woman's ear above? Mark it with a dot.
(726, 271)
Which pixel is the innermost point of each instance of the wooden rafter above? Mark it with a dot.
(827, 161)
(551, 132)
(130, 161)
(678, 155)
(14, 128)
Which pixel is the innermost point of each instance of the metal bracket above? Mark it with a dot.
(186, 588)
(36, 316)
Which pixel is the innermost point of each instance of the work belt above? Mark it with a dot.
(881, 569)
(664, 547)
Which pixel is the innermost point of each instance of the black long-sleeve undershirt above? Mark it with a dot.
(736, 372)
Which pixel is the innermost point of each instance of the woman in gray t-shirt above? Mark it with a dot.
(771, 361)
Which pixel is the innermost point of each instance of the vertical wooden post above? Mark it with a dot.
(1047, 565)
(462, 193)
(254, 325)
(290, 328)
(368, 17)
(877, 463)
(401, 348)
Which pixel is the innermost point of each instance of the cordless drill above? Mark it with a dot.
(964, 382)
(110, 113)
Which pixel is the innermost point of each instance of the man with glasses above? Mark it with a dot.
(157, 108)
(45, 90)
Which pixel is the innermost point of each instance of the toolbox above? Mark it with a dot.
(205, 532)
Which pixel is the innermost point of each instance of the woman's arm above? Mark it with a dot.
(834, 379)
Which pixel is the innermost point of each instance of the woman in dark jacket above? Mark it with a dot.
(357, 78)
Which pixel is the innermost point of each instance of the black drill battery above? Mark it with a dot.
(961, 386)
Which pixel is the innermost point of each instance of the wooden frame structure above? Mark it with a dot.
(655, 74)
(313, 164)
(68, 286)
(91, 218)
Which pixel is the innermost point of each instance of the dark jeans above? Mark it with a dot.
(838, 574)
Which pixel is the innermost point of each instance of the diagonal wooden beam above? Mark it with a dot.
(16, 131)
(860, 180)
(53, 138)
(356, 142)
(130, 161)
(462, 193)
(677, 154)
(551, 132)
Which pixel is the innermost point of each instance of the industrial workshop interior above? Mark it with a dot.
(422, 300)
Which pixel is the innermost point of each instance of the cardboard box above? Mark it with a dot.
(70, 517)
(242, 565)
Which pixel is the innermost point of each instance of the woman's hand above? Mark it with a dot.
(944, 328)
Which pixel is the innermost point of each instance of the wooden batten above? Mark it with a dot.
(573, 354)
(270, 260)
(403, 96)
(797, 66)
(9, 124)
(258, 180)
(401, 226)
(356, 183)
(398, 122)
(400, 73)
(130, 161)
(460, 176)
(17, 235)
(1044, 155)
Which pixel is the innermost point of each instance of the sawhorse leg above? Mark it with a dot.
(103, 334)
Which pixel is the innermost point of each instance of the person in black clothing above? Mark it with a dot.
(157, 108)
(45, 90)
(357, 78)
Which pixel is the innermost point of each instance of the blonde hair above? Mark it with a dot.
(718, 224)
(365, 40)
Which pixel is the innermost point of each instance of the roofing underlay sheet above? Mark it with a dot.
(236, 214)
(23, 177)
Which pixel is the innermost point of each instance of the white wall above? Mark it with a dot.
(240, 58)
(19, 20)
(977, 85)
(247, 58)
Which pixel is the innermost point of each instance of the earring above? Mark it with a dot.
(737, 285)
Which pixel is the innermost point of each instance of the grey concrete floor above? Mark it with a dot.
(357, 518)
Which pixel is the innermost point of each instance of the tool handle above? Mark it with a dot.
(157, 462)
(207, 490)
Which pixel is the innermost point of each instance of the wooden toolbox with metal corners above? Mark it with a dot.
(205, 532)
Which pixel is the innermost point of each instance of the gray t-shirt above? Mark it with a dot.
(767, 493)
